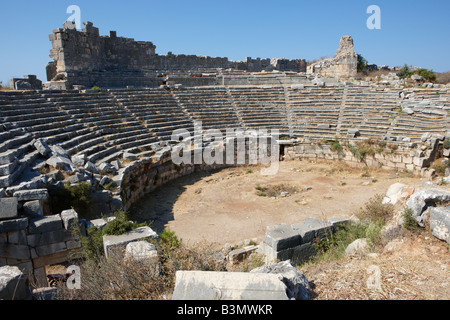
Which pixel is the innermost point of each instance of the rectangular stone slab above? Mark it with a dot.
(8, 208)
(117, 242)
(200, 285)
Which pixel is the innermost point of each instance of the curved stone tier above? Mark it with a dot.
(100, 127)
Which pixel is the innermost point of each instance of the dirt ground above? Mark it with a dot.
(223, 207)
(415, 266)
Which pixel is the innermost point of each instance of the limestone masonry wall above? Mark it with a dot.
(86, 58)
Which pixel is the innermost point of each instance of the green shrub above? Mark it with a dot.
(76, 196)
(120, 225)
(404, 72)
(426, 74)
(170, 239)
(92, 244)
(362, 150)
(447, 144)
(362, 63)
(375, 211)
(408, 221)
(333, 247)
(336, 146)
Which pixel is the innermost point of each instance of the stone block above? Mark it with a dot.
(12, 284)
(41, 239)
(49, 249)
(296, 282)
(91, 167)
(42, 147)
(68, 217)
(46, 293)
(239, 255)
(282, 237)
(420, 200)
(141, 251)
(13, 225)
(34, 208)
(14, 251)
(79, 160)
(112, 243)
(336, 222)
(18, 237)
(45, 224)
(8, 208)
(3, 238)
(440, 223)
(310, 229)
(303, 253)
(30, 195)
(200, 285)
(61, 163)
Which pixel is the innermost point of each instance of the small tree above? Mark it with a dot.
(404, 72)
(362, 63)
(427, 74)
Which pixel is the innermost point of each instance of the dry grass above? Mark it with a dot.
(117, 278)
(416, 270)
(275, 190)
(443, 78)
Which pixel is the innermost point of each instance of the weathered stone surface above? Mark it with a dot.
(105, 180)
(76, 178)
(12, 284)
(49, 249)
(282, 237)
(14, 251)
(33, 208)
(42, 147)
(419, 201)
(359, 246)
(440, 223)
(78, 160)
(91, 167)
(309, 229)
(47, 294)
(141, 251)
(13, 225)
(239, 255)
(29, 195)
(100, 223)
(42, 239)
(17, 237)
(335, 223)
(8, 208)
(296, 282)
(393, 194)
(111, 243)
(199, 285)
(68, 217)
(45, 224)
(61, 163)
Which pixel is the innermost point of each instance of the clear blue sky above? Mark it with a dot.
(413, 32)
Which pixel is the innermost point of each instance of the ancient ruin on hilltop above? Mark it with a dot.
(343, 65)
(86, 58)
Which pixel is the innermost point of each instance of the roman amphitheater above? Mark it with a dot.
(110, 107)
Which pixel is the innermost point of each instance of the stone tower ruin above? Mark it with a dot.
(343, 65)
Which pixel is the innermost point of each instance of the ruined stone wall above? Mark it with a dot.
(86, 58)
(32, 241)
(412, 159)
(343, 65)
